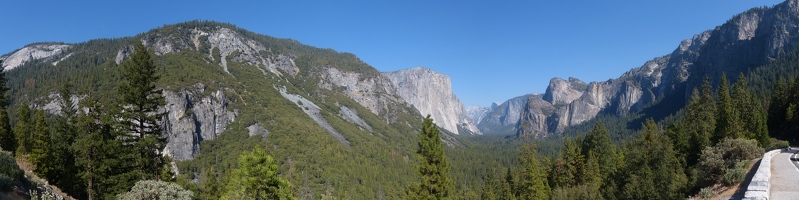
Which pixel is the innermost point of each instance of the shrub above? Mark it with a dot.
(706, 193)
(777, 144)
(156, 190)
(44, 195)
(735, 150)
(9, 171)
(6, 183)
(727, 154)
(733, 176)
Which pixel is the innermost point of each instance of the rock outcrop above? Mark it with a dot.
(375, 93)
(536, 117)
(313, 111)
(562, 92)
(35, 52)
(194, 116)
(431, 93)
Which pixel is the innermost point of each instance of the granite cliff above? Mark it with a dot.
(431, 93)
(747, 40)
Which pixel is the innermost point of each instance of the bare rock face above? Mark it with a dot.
(593, 100)
(541, 117)
(194, 116)
(229, 44)
(561, 92)
(431, 93)
(313, 111)
(536, 117)
(34, 52)
(375, 93)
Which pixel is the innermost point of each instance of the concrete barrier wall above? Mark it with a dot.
(759, 186)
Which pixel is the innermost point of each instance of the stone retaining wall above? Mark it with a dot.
(759, 186)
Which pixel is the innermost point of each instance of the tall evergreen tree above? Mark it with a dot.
(778, 105)
(140, 112)
(598, 141)
(700, 121)
(99, 153)
(508, 186)
(8, 141)
(727, 124)
(751, 115)
(591, 174)
(491, 186)
(434, 167)
(652, 170)
(65, 176)
(533, 182)
(567, 168)
(23, 129)
(41, 149)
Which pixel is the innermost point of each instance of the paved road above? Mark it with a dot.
(785, 176)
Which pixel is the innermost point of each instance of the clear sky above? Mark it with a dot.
(492, 50)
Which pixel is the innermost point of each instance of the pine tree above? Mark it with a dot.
(727, 124)
(700, 121)
(598, 141)
(750, 112)
(8, 141)
(508, 186)
(567, 169)
(652, 170)
(591, 174)
(533, 179)
(23, 129)
(65, 177)
(434, 167)
(257, 178)
(778, 105)
(140, 112)
(491, 186)
(98, 153)
(41, 149)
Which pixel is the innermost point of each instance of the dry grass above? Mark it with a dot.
(28, 168)
(728, 192)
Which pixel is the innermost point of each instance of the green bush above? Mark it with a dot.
(706, 193)
(735, 150)
(156, 190)
(733, 176)
(9, 171)
(6, 183)
(727, 154)
(777, 144)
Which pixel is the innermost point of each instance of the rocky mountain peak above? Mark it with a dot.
(431, 93)
(561, 92)
(476, 113)
(221, 44)
(35, 52)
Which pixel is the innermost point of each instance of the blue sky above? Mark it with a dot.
(492, 50)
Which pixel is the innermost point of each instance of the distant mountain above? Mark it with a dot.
(476, 113)
(502, 118)
(748, 40)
